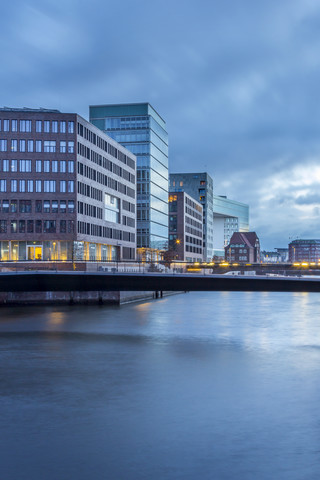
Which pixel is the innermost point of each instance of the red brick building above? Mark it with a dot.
(67, 190)
(243, 247)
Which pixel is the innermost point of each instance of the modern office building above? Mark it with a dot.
(140, 129)
(229, 216)
(200, 187)
(304, 251)
(67, 191)
(185, 228)
(243, 247)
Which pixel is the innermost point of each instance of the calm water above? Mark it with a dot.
(196, 386)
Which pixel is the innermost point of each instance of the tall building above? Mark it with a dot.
(243, 247)
(200, 187)
(185, 228)
(140, 129)
(229, 217)
(304, 251)
(67, 191)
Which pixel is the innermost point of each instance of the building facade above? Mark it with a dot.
(67, 191)
(185, 227)
(140, 129)
(304, 251)
(200, 187)
(229, 216)
(243, 247)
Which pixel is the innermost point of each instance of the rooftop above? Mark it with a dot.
(27, 109)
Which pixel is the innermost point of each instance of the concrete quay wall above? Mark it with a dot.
(73, 298)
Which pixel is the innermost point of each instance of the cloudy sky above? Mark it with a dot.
(238, 83)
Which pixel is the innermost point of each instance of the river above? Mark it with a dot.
(194, 386)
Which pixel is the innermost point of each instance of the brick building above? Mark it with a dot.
(67, 190)
(304, 251)
(243, 247)
(185, 227)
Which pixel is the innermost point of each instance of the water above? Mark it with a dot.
(197, 386)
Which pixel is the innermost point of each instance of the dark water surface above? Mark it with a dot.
(197, 386)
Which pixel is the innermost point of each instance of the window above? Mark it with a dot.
(22, 145)
(38, 186)
(54, 127)
(38, 226)
(70, 147)
(5, 206)
(6, 125)
(22, 186)
(25, 206)
(70, 127)
(38, 206)
(63, 206)
(30, 186)
(3, 226)
(63, 226)
(38, 166)
(3, 185)
(39, 126)
(70, 186)
(63, 147)
(70, 206)
(14, 185)
(14, 125)
(13, 226)
(49, 226)
(38, 146)
(112, 208)
(62, 127)
(70, 166)
(54, 206)
(30, 145)
(54, 166)
(29, 226)
(62, 166)
(14, 206)
(25, 165)
(49, 186)
(3, 145)
(46, 206)
(14, 145)
(22, 226)
(63, 186)
(46, 166)
(14, 165)
(46, 126)
(49, 146)
(25, 125)
(70, 226)
(5, 165)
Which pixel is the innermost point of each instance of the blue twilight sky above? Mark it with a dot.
(238, 83)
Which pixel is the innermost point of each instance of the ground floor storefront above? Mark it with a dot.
(56, 250)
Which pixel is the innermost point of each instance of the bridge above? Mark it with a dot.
(296, 268)
(40, 281)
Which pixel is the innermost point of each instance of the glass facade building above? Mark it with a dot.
(229, 216)
(140, 129)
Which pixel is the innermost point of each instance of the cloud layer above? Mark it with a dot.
(237, 82)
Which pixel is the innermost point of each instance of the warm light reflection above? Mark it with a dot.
(296, 264)
(224, 264)
(57, 318)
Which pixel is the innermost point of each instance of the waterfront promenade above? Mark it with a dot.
(40, 281)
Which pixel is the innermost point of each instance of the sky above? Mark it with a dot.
(237, 82)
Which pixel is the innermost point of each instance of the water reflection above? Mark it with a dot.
(203, 385)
